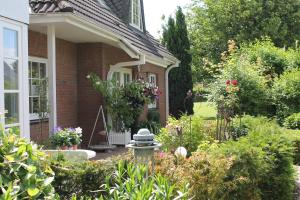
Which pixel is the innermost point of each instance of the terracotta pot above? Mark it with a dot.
(64, 148)
(74, 147)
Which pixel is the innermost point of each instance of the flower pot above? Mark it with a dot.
(64, 148)
(74, 147)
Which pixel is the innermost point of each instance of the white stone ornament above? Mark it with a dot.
(181, 152)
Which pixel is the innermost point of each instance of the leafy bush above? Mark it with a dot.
(81, 179)
(257, 166)
(24, 173)
(253, 95)
(293, 121)
(189, 137)
(286, 92)
(153, 115)
(129, 182)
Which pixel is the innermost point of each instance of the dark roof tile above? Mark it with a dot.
(97, 12)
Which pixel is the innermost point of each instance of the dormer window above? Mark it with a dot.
(136, 19)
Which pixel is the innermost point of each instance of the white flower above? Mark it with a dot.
(97, 83)
(88, 76)
(181, 152)
(78, 130)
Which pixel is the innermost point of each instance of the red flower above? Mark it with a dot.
(234, 82)
(228, 82)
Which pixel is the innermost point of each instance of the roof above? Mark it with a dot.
(104, 13)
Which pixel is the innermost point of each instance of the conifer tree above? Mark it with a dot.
(175, 38)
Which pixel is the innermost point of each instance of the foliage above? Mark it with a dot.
(294, 137)
(152, 126)
(24, 173)
(286, 92)
(175, 38)
(190, 135)
(129, 182)
(153, 115)
(213, 23)
(293, 121)
(125, 103)
(81, 179)
(67, 137)
(257, 166)
(254, 93)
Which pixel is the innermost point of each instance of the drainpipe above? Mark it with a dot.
(113, 68)
(167, 86)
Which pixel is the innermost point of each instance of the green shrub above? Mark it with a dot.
(153, 127)
(129, 182)
(24, 174)
(153, 115)
(294, 137)
(286, 92)
(81, 179)
(253, 95)
(257, 166)
(190, 137)
(293, 121)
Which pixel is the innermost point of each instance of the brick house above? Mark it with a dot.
(70, 38)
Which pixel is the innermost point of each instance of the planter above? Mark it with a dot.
(75, 147)
(64, 148)
(119, 138)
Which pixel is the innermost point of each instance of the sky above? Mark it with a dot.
(155, 9)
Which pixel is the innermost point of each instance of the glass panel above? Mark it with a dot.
(10, 40)
(12, 108)
(30, 105)
(126, 78)
(35, 70)
(42, 70)
(116, 77)
(10, 74)
(34, 91)
(29, 69)
(35, 105)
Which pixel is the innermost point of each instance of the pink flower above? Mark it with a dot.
(234, 82)
(161, 154)
(228, 82)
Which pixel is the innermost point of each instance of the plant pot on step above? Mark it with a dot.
(64, 148)
(75, 147)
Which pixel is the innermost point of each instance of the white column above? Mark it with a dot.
(52, 78)
(25, 121)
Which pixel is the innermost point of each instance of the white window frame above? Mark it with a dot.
(154, 77)
(35, 116)
(139, 8)
(122, 72)
(23, 107)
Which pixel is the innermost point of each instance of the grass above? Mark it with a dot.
(206, 110)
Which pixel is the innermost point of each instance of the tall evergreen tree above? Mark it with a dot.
(175, 38)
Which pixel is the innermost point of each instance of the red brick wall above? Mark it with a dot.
(77, 101)
(89, 60)
(66, 81)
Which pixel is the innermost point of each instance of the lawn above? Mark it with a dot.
(206, 110)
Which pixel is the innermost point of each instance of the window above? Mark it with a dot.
(136, 19)
(152, 80)
(13, 76)
(38, 93)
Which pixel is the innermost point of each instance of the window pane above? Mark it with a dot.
(42, 70)
(10, 74)
(35, 105)
(35, 71)
(30, 105)
(29, 69)
(12, 107)
(10, 40)
(116, 77)
(34, 89)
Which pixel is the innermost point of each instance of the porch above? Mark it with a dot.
(70, 50)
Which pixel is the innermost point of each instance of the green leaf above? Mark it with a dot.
(33, 191)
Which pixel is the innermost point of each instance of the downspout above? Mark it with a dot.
(167, 87)
(113, 68)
